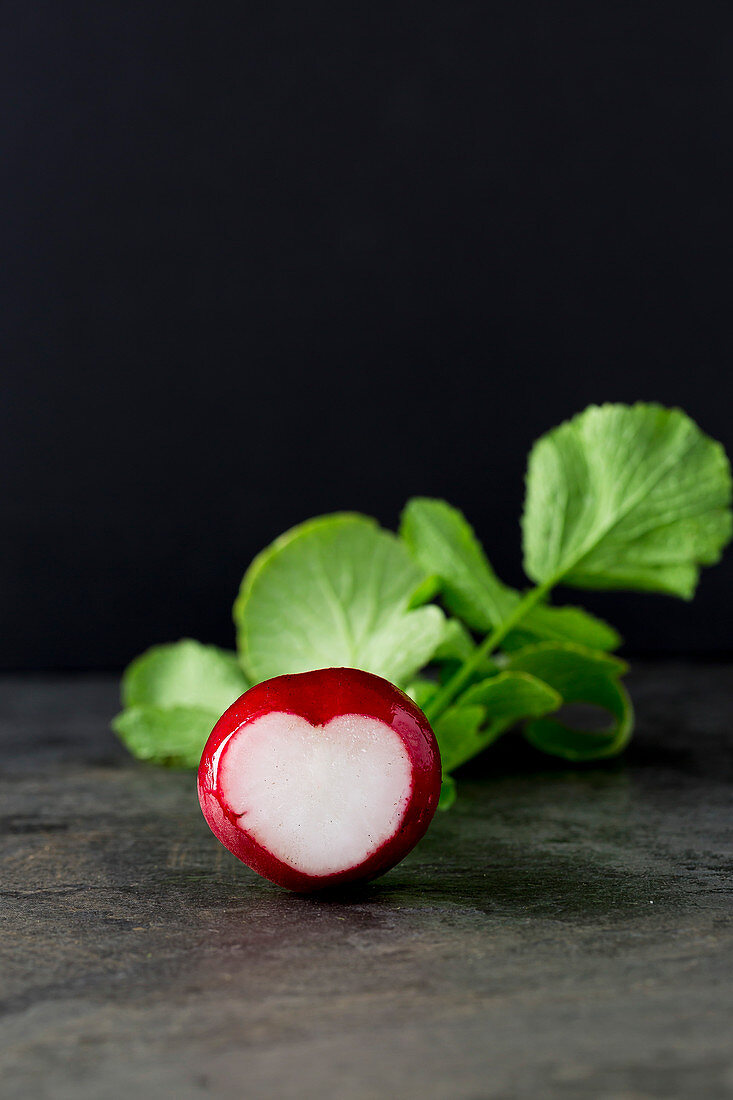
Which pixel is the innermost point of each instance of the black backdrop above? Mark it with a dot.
(263, 261)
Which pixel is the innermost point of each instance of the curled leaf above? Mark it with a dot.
(582, 677)
(486, 710)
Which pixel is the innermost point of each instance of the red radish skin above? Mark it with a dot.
(338, 721)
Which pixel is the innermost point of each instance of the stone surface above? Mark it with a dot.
(560, 933)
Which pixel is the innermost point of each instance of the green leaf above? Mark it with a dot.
(626, 497)
(513, 695)
(425, 592)
(335, 592)
(173, 696)
(420, 690)
(457, 734)
(174, 736)
(456, 643)
(563, 624)
(457, 647)
(184, 673)
(445, 545)
(581, 677)
(486, 710)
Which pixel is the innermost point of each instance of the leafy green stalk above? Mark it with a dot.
(443, 542)
(620, 496)
(489, 708)
(445, 696)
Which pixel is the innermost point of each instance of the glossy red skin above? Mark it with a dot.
(318, 697)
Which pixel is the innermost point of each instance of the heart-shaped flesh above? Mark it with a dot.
(321, 798)
(320, 778)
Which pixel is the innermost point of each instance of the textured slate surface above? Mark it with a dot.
(558, 934)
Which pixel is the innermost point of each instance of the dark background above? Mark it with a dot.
(264, 261)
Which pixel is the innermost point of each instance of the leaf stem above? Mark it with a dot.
(448, 692)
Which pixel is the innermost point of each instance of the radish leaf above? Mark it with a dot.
(457, 734)
(486, 710)
(173, 736)
(626, 497)
(444, 544)
(184, 673)
(580, 677)
(173, 696)
(335, 591)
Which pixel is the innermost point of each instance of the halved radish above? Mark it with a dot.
(320, 778)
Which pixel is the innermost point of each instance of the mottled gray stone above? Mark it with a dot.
(560, 933)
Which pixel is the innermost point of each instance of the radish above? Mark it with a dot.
(320, 778)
